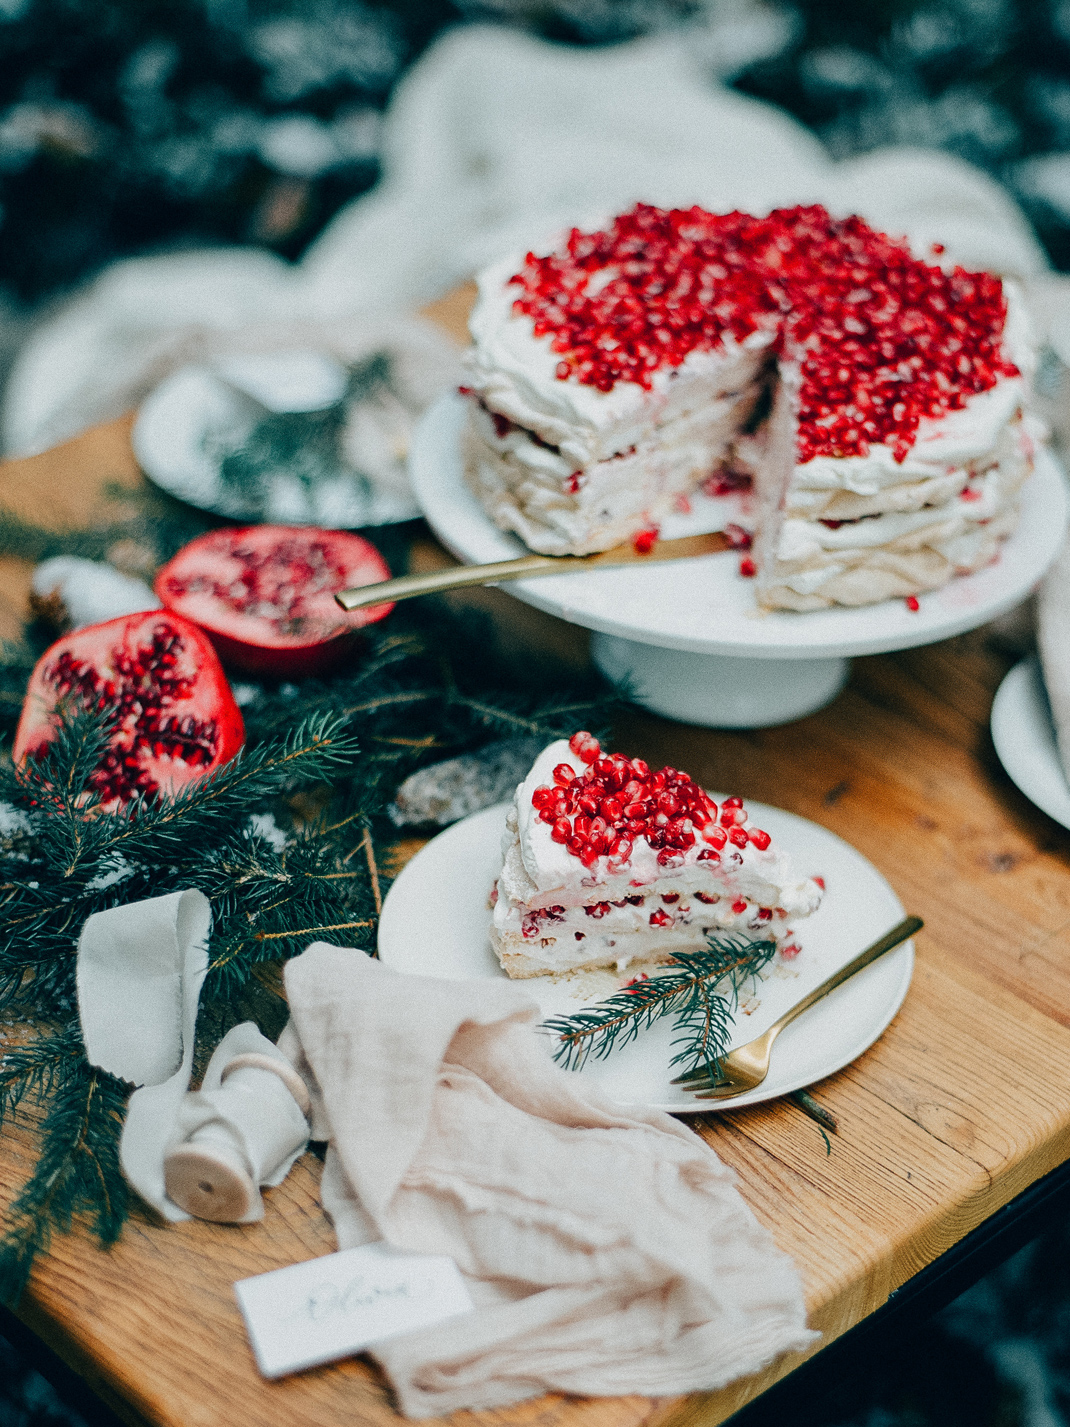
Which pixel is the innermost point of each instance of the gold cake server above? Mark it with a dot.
(459, 577)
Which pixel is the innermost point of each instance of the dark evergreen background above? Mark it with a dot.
(129, 126)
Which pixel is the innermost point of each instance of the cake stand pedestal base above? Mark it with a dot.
(717, 690)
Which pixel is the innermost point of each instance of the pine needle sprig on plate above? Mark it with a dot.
(700, 989)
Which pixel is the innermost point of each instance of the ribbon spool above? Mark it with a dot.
(238, 1138)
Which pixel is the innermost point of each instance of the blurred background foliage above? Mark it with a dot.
(129, 126)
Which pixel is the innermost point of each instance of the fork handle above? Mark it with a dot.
(898, 934)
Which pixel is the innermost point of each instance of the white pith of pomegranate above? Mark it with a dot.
(177, 718)
(264, 594)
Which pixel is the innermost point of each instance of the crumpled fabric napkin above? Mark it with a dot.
(607, 1249)
(492, 141)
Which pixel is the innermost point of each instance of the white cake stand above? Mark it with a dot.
(687, 638)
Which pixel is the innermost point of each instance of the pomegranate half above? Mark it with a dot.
(176, 716)
(264, 595)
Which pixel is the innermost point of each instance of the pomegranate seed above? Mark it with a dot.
(709, 898)
(576, 844)
(790, 951)
(660, 919)
(670, 897)
(640, 770)
(820, 882)
(621, 848)
(708, 855)
(582, 825)
(579, 935)
(912, 603)
(714, 835)
(643, 541)
(588, 856)
(765, 914)
(669, 858)
(542, 796)
(747, 568)
(561, 830)
(732, 802)
(738, 837)
(739, 907)
(584, 746)
(563, 774)
(737, 537)
(598, 910)
(760, 839)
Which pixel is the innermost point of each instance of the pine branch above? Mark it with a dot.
(699, 988)
(77, 1173)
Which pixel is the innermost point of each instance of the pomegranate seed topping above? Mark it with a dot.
(597, 910)
(765, 914)
(614, 801)
(912, 603)
(820, 882)
(790, 951)
(660, 919)
(737, 537)
(883, 339)
(584, 746)
(572, 483)
(739, 907)
(643, 541)
(635, 901)
(669, 897)
(747, 568)
(579, 935)
(709, 898)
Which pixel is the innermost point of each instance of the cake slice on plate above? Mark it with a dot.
(606, 863)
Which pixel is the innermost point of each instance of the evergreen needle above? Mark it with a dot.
(699, 988)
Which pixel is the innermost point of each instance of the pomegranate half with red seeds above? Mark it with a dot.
(176, 718)
(264, 594)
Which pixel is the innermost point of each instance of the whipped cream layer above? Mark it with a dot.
(545, 892)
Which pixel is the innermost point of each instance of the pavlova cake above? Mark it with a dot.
(879, 396)
(606, 863)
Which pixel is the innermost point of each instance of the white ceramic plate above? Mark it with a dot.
(435, 922)
(1024, 736)
(704, 606)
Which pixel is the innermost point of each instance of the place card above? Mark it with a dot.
(335, 1306)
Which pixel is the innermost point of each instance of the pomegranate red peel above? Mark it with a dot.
(264, 595)
(175, 716)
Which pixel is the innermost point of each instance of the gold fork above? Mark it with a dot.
(747, 1066)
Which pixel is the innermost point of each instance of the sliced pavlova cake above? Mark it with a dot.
(606, 862)
(615, 374)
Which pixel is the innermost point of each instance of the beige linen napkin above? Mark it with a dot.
(607, 1249)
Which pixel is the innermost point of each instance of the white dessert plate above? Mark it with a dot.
(436, 922)
(704, 606)
(1024, 735)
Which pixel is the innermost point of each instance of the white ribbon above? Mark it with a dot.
(140, 972)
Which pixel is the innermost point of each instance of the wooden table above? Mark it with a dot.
(939, 1125)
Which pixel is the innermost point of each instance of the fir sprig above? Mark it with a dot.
(699, 988)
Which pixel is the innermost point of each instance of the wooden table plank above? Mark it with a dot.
(941, 1122)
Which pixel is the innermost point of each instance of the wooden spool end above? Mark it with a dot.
(207, 1184)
